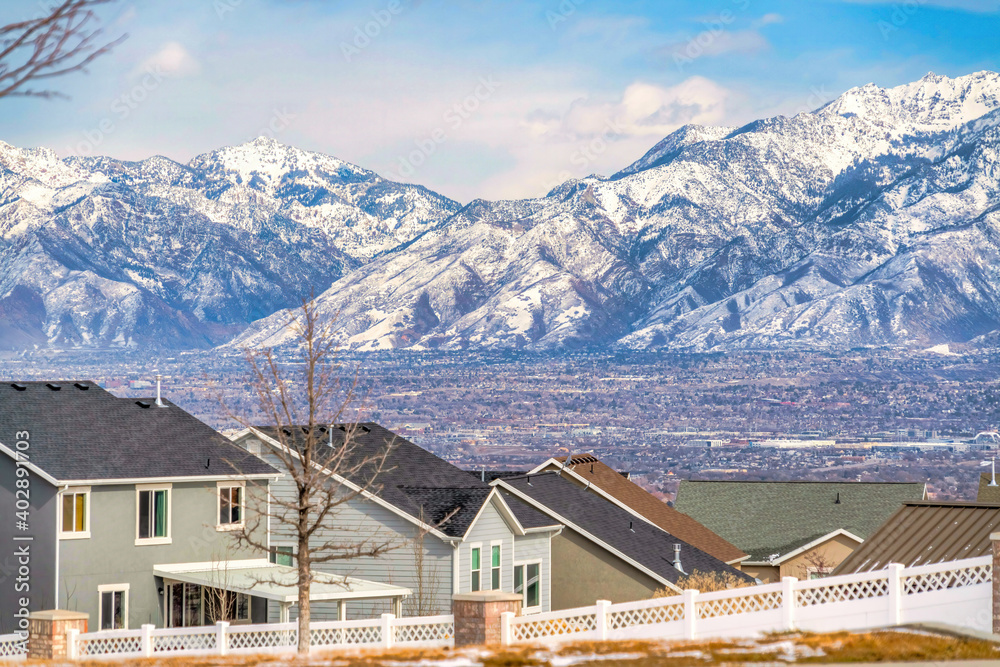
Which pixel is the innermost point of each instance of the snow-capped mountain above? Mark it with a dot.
(97, 252)
(873, 220)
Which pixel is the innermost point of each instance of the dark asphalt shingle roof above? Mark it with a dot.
(82, 432)
(412, 479)
(766, 518)
(644, 543)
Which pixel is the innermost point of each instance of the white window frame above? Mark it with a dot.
(219, 486)
(472, 547)
(524, 582)
(496, 543)
(145, 541)
(74, 535)
(273, 551)
(112, 588)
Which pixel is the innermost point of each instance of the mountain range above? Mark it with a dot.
(872, 221)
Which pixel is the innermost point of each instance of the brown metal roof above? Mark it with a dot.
(657, 512)
(925, 532)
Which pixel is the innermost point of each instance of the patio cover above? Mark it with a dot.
(262, 578)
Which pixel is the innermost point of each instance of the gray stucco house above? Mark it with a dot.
(453, 533)
(123, 508)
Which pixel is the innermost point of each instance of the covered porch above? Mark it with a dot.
(203, 593)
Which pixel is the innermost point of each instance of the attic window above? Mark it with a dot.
(81, 386)
(53, 387)
(143, 404)
(19, 387)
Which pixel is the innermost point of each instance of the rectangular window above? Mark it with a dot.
(283, 555)
(476, 568)
(114, 607)
(495, 567)
(75, 511)
(230, 506)
(191, 605)
(527, 582)
(154, 515)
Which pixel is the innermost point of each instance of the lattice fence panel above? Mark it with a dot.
(744, 604)
(367, 634)
(648, 616)
(556, 627)
(110, 646)
(198, 642)
(846, 592)
(938, 581)
(13, 646)
(425, 632)
(264, 639)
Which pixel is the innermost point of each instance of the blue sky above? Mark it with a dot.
(480, 99)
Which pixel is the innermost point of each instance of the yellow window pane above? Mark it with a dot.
(81, 511)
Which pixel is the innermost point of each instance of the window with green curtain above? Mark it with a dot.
(160, 509)
(476, 568)
(495, 564)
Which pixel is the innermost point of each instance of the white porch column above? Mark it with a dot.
(397, 606)
(341, 610)
(283, 612)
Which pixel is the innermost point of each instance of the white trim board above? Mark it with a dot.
(806, 547)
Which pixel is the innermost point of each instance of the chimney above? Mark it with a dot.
(159, 401)
(677, 558)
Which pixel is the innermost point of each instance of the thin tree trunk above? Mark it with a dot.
(305, 582)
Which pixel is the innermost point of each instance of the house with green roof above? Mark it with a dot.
(794, 529)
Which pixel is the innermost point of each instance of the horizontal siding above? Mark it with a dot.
(488, 528)
(360, 522)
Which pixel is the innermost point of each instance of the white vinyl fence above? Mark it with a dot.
(956, 593)
(226, 639)
(13, 647)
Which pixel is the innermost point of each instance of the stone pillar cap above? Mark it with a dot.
(487, 596)
(58, 615)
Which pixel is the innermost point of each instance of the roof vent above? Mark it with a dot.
(19, 387)
(159, 401)
(286, 431)
(81, 386)
(630, 526)
(143, 404)
(837, 501)
(53, 386)
(677, 558)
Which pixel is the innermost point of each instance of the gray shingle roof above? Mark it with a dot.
(646, 544)
(412, 479)
(82, 432)
(766, 518)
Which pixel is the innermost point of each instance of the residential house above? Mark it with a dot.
(604, 550)
(448, 531)
(589, 472)
(124, 508)
(927, 532)
(793, 529)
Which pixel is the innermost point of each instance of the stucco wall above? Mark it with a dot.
(583, 573)
(110, 555)
(829, 554)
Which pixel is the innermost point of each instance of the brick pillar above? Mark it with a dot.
(477, 615)
(47, 632)
(995, 539)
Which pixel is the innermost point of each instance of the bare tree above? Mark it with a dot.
(65, 40)
(424, 600)
(301, 403)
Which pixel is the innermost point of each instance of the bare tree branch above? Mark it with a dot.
(65, 40)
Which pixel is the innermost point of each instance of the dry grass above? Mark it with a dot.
(885, 646)
(706, 582)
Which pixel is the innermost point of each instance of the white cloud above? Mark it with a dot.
(172, 60)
